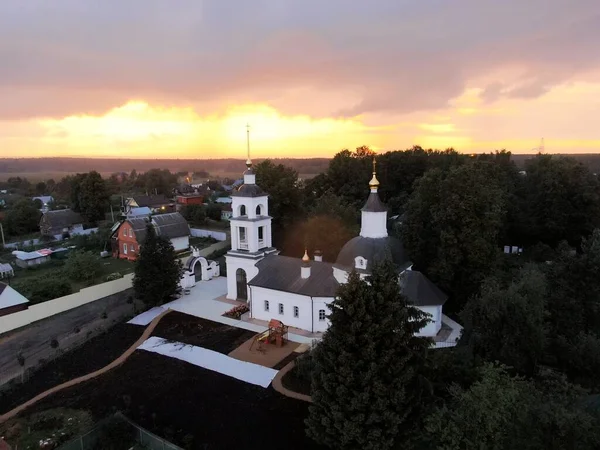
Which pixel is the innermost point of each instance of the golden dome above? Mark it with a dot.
(374, 183)
(305, 258)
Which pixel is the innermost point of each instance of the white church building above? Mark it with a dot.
(297, 291)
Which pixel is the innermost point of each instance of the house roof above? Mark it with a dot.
(420, 291)
(150, 200)
(9, 297)
(374, 250)
(142, 211)
(62, 218)
(170, 226)
(282, 273)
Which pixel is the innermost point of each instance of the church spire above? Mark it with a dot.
(248, 161)
(374, 183)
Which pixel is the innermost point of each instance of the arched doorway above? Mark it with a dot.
(242, 285)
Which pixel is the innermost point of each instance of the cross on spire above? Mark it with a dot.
(248, 161)
(374, 183)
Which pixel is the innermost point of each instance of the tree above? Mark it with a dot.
(83, 266)
(507, 323)
(157, 270)
(365, 384)
(453, 221)
(503, 412)
(195, 214)
(213, 211)
(562, 200)
(89, 195)
(22, 218)
(285, 200)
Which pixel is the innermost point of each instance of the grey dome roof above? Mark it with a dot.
(374, 250)
(249, 190)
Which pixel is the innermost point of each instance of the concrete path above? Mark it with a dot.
(278, 385)
(117, 362)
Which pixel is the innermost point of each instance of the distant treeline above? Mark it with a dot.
(212, 166)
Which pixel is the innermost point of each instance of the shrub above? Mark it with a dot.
(82, 266)
(114, 276)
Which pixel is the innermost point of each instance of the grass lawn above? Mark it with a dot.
(176, 400)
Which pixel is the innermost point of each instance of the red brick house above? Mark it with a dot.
(190, 199)
(129, 235)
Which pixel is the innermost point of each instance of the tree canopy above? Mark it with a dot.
(365, 385)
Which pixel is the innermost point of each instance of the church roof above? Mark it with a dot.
(282, 273)
(374, 204)
(420, 290)
(248, 190)
(374, 250)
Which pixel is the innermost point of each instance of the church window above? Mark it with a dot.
(242, 210)
(266, 305)
(296, 311)
(360, 262)
(281, 308)
(321, 314)
(260, 233)
(259, 210)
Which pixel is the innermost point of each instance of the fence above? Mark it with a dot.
(58, 305)
(121, 429)
(218, 235)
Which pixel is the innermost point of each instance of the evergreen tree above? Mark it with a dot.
(365, 385)
(157, 270)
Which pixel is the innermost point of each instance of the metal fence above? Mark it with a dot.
(95, 438)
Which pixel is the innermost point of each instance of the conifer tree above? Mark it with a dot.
(365, 384)
(157, 270)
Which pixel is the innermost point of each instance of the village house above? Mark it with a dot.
(128, 236)
(11, 301)
(190, 199)
(60, 223)
(157, 203)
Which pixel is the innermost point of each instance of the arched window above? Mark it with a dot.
(259, 210)
(242, 210)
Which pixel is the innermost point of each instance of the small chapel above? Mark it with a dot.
(296, 291)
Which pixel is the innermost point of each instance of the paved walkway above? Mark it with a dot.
(117, 362)
(278, 385)
(200, 302)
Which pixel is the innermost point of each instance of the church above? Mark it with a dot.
(296, 291)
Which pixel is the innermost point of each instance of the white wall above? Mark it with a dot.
(181, 243)
(373, 224)
(233, 264)
(308, 309)
(78, 229)
(62, 304)
(218, 235)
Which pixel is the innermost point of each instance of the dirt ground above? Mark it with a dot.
(193, 330)
(269, 356)
(176, 400)
(93, 355)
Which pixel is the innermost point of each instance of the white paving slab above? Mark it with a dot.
(146, 317)
(211, 360)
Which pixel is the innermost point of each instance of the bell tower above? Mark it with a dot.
(250, 232)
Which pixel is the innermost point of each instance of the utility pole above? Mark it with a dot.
(112, 214)
(2, 233)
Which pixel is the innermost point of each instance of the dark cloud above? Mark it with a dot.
(78, 56)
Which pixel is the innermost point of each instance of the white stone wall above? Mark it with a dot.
(308, 308)
(218, 235)
(373, 224)
(181, 243)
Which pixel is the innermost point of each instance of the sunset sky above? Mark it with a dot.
(181, 78)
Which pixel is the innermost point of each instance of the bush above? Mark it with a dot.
(114, 276)
(82, 266)
(42, 288)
